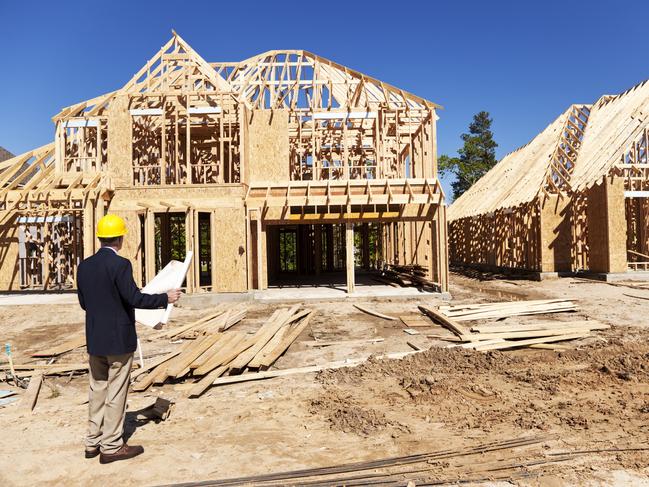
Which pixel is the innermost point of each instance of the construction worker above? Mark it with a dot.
(109, 296)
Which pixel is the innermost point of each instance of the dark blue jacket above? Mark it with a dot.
(109, 295)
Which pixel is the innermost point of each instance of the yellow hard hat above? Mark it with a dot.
(111, 226)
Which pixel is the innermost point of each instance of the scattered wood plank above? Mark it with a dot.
(270, 358)
(64, 347)
(414, 346)
(445, 321)
(375, 313)
(531, 333)
(325, 343)
(467, 312)
(206, 382)
(637, 297)
(174, 332)
(410, 331)
(415, 321)
(28, 401)
(233, 379)
(154, 363)
(53, 369)
(46, 367)
(540, 325)
(507, 344)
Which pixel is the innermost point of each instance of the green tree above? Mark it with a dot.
(476, 157)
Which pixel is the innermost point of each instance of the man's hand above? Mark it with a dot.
(173, 295)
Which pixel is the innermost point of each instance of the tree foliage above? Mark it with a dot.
(476, 157)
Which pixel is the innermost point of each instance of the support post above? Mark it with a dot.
(149, 243)
(349, 256)
(317, 232)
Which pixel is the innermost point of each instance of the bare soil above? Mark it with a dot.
(594, 396)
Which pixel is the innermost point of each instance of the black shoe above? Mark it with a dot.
(92, 452)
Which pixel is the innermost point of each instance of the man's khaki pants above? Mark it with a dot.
(109, 380)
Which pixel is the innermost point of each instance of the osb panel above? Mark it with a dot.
(120, 150)
(230, 236)
(607, 227)
(507, 238)
(268, 148)
(555, 234)
(616, 225)
(230, 192)
(132, 247)
(9, 270)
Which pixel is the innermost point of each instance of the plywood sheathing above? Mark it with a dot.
(230, 236)
(555, 234)
(607, 227)
(132, 248)
(120, 144)
(9, 270)
(268, 152)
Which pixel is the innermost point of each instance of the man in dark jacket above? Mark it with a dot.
(109, 295)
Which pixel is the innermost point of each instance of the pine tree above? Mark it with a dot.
(476, 157)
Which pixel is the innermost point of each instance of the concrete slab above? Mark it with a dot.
(30, 298)
(333, 293)
(616, 276)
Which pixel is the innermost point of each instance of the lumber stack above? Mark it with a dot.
(526, 335)
(224, 351)
(506, 336)
(215, 320)
(409, 275)
(482, 311)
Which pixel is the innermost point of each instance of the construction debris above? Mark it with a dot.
(159, 410)
(410, 275)
(217, 351)
(73, 343)
(375, 313)
(501, 337)
(323, 343)
(28, 401)
(468, 312)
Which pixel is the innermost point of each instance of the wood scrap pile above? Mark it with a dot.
(499, 336)
(215, 320)
(409, 275)
(226, 352)
(468, 312)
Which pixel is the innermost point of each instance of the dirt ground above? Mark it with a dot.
(594, 396)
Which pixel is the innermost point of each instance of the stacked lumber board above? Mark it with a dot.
(409, 275)
(501, 337)
(225, 351)
(468, 312)
(215, 320)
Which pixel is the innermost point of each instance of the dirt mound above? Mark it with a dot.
(434, 361)
(343, 413)
(594, 387)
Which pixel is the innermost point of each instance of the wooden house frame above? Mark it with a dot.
(224, 159)
(573, 199)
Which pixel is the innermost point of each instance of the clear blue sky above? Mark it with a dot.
(524, 62)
